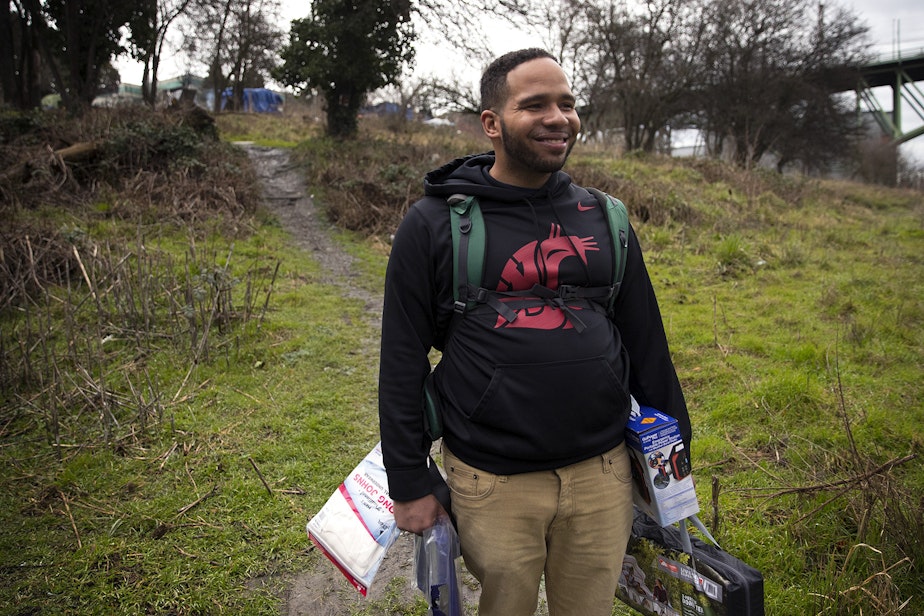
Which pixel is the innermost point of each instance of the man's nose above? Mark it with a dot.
(556, 117)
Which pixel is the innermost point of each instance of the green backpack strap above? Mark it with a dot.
(618, 218)
(468, 245)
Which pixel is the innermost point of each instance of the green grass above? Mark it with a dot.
(97, 527)
(271, 130)
(794, 310)
(775, 359)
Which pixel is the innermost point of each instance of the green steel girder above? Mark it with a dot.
(901, 74)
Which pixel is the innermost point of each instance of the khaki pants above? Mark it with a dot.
(572, 524)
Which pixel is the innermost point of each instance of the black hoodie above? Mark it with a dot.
(535, 393)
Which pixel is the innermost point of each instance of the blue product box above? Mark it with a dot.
(661, 471)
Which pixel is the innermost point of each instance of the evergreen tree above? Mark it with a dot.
(346, 49)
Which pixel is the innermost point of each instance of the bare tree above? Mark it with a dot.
(448, 96)
(461, 23)
(255, 41)
(636, 65)
(758, 77)
(770, 72)
(149, 35)
(428, 97)
(824, 123)
(237, 42)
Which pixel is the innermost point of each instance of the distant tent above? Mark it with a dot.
(51, 101)
(259, 100)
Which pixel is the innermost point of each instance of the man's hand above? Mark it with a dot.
(416, 516)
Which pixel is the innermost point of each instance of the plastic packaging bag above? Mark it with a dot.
(357, 525)
(438, 575)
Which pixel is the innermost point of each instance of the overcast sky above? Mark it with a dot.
(891, 20)
(885, 18)
(893, 25)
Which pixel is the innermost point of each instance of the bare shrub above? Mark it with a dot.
(135, 165)
(30, 258)
(82, 311)
(77, 352)
(878, 162)
(651, 200)
(64, 160)
(369, 184)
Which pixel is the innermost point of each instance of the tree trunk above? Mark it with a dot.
(342, 110)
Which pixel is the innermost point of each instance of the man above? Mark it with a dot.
(535, 407)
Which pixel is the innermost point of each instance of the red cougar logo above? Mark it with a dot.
(538, 262)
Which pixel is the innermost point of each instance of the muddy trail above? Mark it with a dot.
(323, 590)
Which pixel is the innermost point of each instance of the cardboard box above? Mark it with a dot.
(659, 579)
(661, 473)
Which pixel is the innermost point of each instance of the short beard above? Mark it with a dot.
(517, 150)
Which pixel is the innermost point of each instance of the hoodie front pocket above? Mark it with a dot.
(548, 403)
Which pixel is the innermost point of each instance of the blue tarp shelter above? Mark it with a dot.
(259, 100)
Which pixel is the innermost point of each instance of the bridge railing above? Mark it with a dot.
(894, 55)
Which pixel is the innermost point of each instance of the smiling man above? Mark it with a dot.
(534, 380)
(536, 126)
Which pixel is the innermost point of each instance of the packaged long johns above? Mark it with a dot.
(357, 525)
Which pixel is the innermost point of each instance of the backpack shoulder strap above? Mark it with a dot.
(618, 218)
(468, 245)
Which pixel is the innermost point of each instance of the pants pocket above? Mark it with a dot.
(616, 461)
(466, 481)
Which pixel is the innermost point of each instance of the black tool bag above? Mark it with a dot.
(668, 573)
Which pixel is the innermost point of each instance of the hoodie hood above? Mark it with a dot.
(469, 176)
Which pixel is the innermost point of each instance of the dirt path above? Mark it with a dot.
(324, 591)
(288, 198)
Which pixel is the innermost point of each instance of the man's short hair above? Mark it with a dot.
(494, 79)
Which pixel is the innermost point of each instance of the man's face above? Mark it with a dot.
(537, 126)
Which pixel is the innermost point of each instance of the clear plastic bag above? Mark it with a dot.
(438, 569)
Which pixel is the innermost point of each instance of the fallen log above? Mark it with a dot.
(78, 152)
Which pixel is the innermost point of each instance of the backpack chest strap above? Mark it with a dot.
(468, 240)
(562, 298)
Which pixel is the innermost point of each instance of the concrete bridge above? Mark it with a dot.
(900, 72)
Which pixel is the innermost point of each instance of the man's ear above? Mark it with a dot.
(490, 124)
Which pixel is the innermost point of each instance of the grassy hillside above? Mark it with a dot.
(179, 392)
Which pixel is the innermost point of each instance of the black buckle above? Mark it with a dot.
(480, 295)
